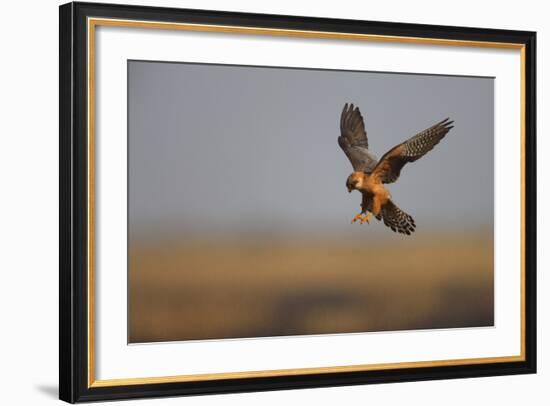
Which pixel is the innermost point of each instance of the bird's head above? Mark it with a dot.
(354, 181)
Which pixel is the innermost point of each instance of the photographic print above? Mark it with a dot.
(261, 202)
(273, 201)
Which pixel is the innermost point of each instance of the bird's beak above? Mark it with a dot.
(350, 189)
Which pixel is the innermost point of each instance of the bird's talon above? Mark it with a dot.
(361, 217)
(366, 219)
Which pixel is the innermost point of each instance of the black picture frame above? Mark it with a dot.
(74, 385)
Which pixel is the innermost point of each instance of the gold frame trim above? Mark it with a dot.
(94, 22)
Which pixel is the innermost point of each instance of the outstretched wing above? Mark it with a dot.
(353, 139)
(389, 167)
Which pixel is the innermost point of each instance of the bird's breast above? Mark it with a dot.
(373, 188)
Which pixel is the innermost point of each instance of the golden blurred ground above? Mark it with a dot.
(181, 290)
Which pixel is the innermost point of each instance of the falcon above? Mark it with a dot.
(370, 175)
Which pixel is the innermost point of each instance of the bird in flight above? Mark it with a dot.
(369, 175)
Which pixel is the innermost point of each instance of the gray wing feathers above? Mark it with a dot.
(420, 144)
(389, 167)
(353, 139)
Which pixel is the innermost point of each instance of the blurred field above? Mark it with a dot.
(180, 290)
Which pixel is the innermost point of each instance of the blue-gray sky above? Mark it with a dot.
(233, 148)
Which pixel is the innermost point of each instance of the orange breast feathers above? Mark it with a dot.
(373, 188)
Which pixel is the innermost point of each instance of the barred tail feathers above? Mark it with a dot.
(396, 219)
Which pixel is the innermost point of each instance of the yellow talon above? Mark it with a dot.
(363, 218)
(366, 218)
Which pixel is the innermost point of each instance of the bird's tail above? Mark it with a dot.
(396, 219)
